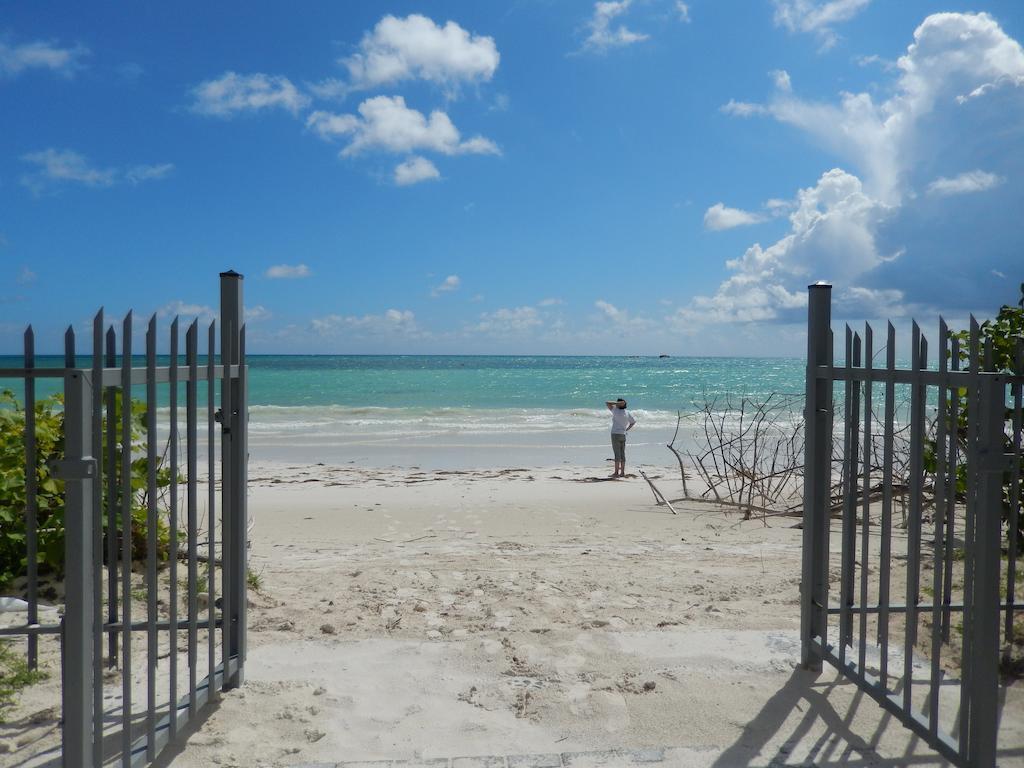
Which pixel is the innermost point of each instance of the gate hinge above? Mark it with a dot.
(74, 469)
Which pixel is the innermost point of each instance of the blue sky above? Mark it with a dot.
(528, 177)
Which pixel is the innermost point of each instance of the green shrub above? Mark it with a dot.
(1005, 333)
(49, 430)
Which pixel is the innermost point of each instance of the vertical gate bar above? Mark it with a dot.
(938, 546)
(967, 652)
(126, 541)
(988, 532)
(227, 572)
(172, 524)
(211, 516)
(865, 498)
(152, 456)
(31, 489)
(77, 689)
(96, 450)
(233, 488)
(69, 347)
(849, 548)
(112, 487)
(951, 483)
(1014, 511)
(818, 454)
(240, 429)
(66, 659)
(844, 609)
(914, 480)
(885, 551)
(112, 504)
(191, 348)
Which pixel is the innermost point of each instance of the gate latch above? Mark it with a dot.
(74, 469)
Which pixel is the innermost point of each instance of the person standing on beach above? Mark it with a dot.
(622, 422)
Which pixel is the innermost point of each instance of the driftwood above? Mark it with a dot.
(679, 457)
(659, 497)
(749, 453)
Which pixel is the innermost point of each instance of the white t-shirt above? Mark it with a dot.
(621, 419)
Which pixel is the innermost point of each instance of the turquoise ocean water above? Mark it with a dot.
(340, 407)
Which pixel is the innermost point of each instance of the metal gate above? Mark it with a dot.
(943, 441)
(108, 448)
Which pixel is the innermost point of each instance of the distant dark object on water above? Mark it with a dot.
(660, 356)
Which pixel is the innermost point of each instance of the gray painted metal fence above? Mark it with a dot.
(965, 447)
(100, 452)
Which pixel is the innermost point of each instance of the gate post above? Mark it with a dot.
(817, 456)
(984, 676)
(78, 471)
(234, 458)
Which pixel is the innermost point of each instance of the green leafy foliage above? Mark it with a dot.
(1005, 333)
(49, 431)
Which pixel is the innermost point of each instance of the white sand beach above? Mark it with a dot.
(512, 616)
(409, 615)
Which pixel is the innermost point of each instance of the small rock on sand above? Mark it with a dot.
(328, 629)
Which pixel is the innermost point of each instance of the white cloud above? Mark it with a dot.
(288, 271)
(26, 276)
(507, 321)
(965, 183)
(16, 59)
(832, 236)
(997, 273)
(551, 302)
(415, 170)
(620, 318)
(66, 165)
(232, 93)
(742, 108)
(781, 79)
(187, 311)
(386, 123)
(329, 89)
(392, 321)
(257, 313)
(683, 10)
(719, 217)
(817, 17)
(874, 58)
(328, 125)
(139, 173)
(58, 167)
(870, 302)
(602, 35)
(954, 56)
(415, 47)
(449, 284)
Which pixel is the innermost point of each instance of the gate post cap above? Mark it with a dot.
(232, 273)
(820, 284)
